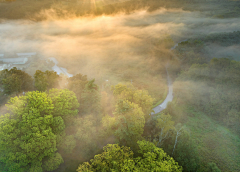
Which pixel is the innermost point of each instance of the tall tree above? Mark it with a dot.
(65, 103)
(116, 158)
(185, 152)
(131, 94)
(15, 81)
(127, 124)
(77, 84)
(31, 133)
(44, 81)
(165, 125)
(27, 139)
(90, 102)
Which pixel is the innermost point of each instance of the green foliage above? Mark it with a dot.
(52, 163)
(164, 128)
(212, 167)
(31, 132)
(68, 143)
(224, 39)
(131, 111)
(87, 93)
(26, 133)
(90, 99)
(214, 89)
(58, 125)
(116, 158)
(154, 158)
(211, 89)
(45, 80)
(127, 124)
(87, 134)
(65, 103)
(186, 153)
(77, 84)
(209, 141)
(202, 49)
(15, 81)
(35, 169)
(133, 95)
(86, 129)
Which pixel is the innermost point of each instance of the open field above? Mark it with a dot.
(214, 142)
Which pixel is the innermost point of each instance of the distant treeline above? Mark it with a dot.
(223, 39)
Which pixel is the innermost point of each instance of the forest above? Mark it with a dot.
(57, 125)
(46, 126)
(123, 57)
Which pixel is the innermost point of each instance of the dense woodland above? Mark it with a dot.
(46, 126)
(80, 120)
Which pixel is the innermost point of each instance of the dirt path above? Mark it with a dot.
(169, 97)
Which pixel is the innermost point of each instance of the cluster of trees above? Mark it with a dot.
(48, 126)
(174, 139)
(16, 81)
(116, 158)
(48, 123)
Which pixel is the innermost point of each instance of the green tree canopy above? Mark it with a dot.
(131, 94)
(165, 126)
(26, 134)
(65, 103)
(90, 99)
(15, 81)
(87, 93)
(77, 84)
(127, 124)
(46, 80)
(31, 132)
(116, 158)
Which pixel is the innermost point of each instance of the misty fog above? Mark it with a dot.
(168, 56)
(84, 42)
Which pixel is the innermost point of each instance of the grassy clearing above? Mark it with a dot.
(215, 143)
